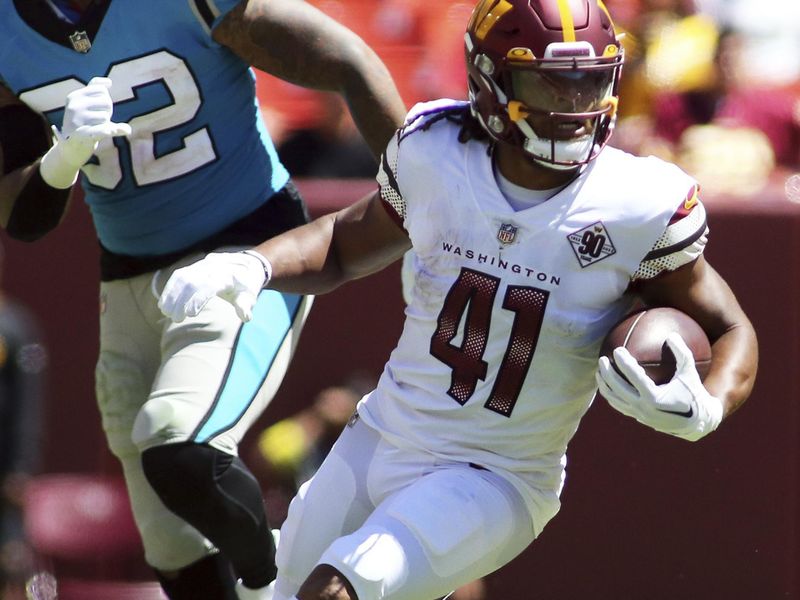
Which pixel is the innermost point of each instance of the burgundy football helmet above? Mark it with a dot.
(544, 75)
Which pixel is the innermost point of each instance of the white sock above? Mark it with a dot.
(246, 593)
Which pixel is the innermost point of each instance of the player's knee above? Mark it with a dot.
(182, 475)
(179, 473)
(156, 423)
(326, 581)
(204, 485)
(367, 578)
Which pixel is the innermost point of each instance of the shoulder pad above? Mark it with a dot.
(424, 114)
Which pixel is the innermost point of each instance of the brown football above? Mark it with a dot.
(644, 333)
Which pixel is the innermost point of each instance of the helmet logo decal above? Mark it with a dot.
(486, 15)
(591, 244)
(567, 22)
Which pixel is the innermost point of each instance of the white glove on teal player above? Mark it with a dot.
(681, 407)
(236, 277)
(87, 121)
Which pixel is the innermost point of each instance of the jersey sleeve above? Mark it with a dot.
(683, 240)
(408, 155)
(388, 184)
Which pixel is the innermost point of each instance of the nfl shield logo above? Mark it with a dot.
(80, 41)
(507, 233)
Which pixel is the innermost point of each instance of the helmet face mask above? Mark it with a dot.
(543, 76)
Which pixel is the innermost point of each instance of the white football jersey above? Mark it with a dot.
(507, 309)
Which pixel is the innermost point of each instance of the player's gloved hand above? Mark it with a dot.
(87, 121)
(681, 407)
(236, 277)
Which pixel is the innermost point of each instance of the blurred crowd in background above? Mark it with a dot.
(712, 85)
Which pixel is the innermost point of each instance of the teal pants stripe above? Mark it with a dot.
(252, 358)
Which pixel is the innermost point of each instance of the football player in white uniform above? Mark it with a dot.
(530, 240)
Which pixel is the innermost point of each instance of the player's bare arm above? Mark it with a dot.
(698, 290)
(352, 243)
(293, 40)
(315, 258)
(28, 207)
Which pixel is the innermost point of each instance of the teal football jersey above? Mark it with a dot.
(199, 157)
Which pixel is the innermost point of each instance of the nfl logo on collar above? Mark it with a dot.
(507, 233)
(80, 42)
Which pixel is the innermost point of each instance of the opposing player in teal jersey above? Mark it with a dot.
(185, 167)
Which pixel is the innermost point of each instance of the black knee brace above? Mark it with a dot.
(216, 493)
